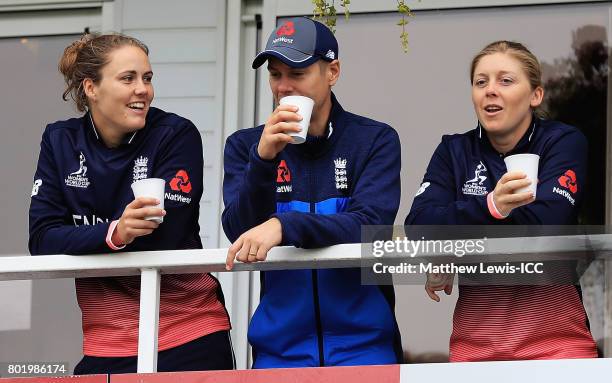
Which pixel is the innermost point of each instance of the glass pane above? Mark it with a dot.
(30, 90)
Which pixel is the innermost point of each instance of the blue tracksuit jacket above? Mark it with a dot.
(465, 168)
(322, 192)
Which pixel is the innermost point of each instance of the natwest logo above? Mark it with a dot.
(181, 182)
(287, 29)
(283, 174)
(568, 181)
(283, 177)
(282, 40)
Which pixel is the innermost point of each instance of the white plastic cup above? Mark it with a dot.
(528, 164)
(304, 105)
(154, 188)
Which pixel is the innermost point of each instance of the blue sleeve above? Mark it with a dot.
(179, 161)
(248, 187)
(49, 215)
(435, 202)
(562, 177)
(374, 201)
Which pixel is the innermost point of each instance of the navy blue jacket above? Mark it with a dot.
(80, 185)
(322, 192)
(501, 322)
(454, 192)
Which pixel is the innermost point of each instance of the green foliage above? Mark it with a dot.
(325, 11)
(405, 12)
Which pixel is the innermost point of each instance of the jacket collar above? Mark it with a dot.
(521, 147)
(316, 146)
(89, 123)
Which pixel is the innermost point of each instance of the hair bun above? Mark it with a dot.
(67, 62)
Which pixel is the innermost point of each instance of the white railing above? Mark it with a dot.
(150, 265)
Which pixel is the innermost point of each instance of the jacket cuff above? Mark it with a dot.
(286, 227)
(493, 209)
(109, 236)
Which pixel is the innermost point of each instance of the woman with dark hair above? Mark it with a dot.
(467, 183)
(82, 204)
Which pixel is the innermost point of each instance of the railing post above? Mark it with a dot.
(149, 320)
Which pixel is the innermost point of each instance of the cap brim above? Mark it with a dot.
(288, 56)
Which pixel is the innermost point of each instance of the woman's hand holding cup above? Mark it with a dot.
(507, 195)
(134, 223)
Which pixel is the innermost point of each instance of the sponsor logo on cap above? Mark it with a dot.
(330, 55)
(282, 40)
(287, 29)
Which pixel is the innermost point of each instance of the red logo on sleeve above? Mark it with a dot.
(568, 181)
(181, 182)
(286, 29)
(283, 174)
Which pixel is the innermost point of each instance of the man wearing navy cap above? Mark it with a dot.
(319, 193)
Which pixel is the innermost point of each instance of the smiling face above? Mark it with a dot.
(120, 100)
(503, 96)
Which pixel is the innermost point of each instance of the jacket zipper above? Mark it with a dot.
(315, 285)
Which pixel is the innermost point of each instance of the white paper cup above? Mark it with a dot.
(151, 187)
(528, 164)
(304, 105)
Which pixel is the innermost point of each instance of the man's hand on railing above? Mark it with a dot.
(133, 224)
(254, 244)
(437, 282)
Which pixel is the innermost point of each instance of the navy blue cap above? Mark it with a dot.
(299, 42)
